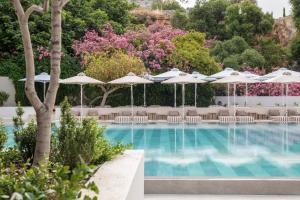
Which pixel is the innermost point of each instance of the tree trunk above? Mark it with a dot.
(104, 98)
(44, 110)
(107, 92)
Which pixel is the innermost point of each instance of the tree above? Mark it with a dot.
(190, 54)
(180, 20)
(106, 67)
(235, 46)
(252, 58)
(274, 54)
(248, 21)
(167, 5)
(209, 16)
(295, 43)
(44, 110)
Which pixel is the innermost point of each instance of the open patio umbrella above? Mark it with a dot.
(285, 78)
(167, 75)
(277, 73)
(183, 79)
(235, 78)
(81, 79)
(199, 76)
(130, 79)
(41, 78)
(225, 73)
(250, 75)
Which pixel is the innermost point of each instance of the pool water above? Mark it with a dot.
(215, 150)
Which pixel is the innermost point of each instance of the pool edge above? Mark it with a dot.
(217, 185)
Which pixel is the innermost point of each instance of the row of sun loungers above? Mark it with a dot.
(192, 117)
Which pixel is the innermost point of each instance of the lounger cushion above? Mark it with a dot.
(141, 113)
(241, 113)
(173, 113)
(192, 113)
(274, 112)
(125, 113)
(92, 113)
(224, 113)
(292, 112)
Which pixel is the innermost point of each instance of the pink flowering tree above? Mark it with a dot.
(267, 89)
(151, 45)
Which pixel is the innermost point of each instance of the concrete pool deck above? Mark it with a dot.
(220, 197)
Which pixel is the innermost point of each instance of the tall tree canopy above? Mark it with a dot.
(248, 21)
(295, 43)
(209, 16)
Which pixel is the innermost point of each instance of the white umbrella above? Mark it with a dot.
(225, 73)
(183, 79)
(285, 78)
(235, 78)
(250, 75)
(199, 76)
(167, 75)
(81, 79)
(276, 74)
(41, 78)
(130, 79)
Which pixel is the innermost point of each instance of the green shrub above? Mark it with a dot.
(3, 97)
(10, 156)
(26, 140)
(25, 136)
(82, 141)
(3, 136)
(52, 182)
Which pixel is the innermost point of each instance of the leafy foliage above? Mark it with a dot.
(167, 5)
(190, 54)
(53, 182)
(248, 21)
(209, 16)
(3, 97)
(3, 136)
(252, 58)
(295, 43)
(25, 136)
(103, 66)
(82, 142)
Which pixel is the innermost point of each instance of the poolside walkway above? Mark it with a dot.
(219, 197)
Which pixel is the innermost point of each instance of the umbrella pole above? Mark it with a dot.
(234, 91)
(175, 95)
(81, 110)
(131, 89)
(282, 94)
(144, 95)
(195, 94)
(286, 95)
(183, 100)
(44, 90)
(228, 94)
(246, 99)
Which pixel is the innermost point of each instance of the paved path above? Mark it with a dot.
(218, 197)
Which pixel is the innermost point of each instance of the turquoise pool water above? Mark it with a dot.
(218, 150)
(256, 150)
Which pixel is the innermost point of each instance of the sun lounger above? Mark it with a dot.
(192, 117)
(275, 116)
(141, 117)
(224, 117)
(243, 117)
(293, 116)
(174, 117)
(92, 114)
(123, 118)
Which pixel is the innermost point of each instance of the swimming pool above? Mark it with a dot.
(213, 150)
